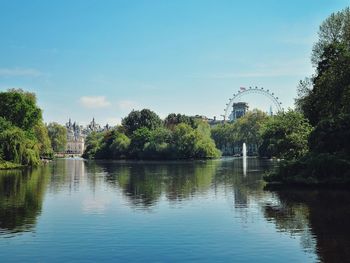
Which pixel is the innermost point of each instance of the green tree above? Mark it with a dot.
(44, 142)
(285, 136)
(246, 129)
(93, 145)
(120, 145)
(335, 29)
(17, 148)
(174, 119)
(138, 119)
(58, 136)
(20, 109)
(184, 141)
(158, 145)
(193, 143)
(138, 140)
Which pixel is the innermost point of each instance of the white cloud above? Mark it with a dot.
(20, 72)
(94, 102)
(127, 105)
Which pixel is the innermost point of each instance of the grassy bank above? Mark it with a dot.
(4, 165)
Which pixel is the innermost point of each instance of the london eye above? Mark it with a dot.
(246, 91)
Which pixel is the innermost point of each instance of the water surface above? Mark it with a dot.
(207, 211)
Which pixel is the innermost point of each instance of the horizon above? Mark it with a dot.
(90, 59)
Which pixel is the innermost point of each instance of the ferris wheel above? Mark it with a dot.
(245, 91)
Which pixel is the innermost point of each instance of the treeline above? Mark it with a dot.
(324, 99)
(143, 135)
(24, 138)
(283, 135)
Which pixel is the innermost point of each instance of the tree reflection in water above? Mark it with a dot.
(322, 214)
(320, 218)
(145, 182)
(21, 197)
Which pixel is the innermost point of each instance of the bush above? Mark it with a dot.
(324, 168)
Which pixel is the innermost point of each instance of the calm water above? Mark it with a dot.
(207, 211)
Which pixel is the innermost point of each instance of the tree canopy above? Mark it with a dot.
(324, 99)
(285, 136)
(144, 118)
(58, 136)
(23, 136)
(19, 108)
(143, 135)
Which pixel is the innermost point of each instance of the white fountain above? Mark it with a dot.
(244, 150)
(244, 154)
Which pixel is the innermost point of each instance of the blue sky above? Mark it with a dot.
(102, 59)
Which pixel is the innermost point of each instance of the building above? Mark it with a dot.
(75, 139)
(239, 109)
(76, 135)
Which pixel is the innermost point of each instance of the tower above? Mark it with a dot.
(239, 109)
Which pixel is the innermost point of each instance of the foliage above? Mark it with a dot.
(245, 129)
(119, 146)
(332, 136)
(19, 108)
(17, 148)
(335, 29)
(93, 145)
(193, 143)
(158, 144)
(285, 136)
(325, 101)
(58, 136)
(137, 119)
(23, 136)
(44, 142)
(171, 141)
(174, 119)
(324, 168)
(330, 92)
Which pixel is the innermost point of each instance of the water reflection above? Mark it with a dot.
(21, 197)
(324, 212)
(319, 220)
(144, 183)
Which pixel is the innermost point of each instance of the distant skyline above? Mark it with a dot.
(101, 59)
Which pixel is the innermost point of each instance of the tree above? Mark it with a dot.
(20, 109)
(184, 141)
(174, 119)
(246, 129)
(142, 136)
(327, 93)
(58, 136)
(158, 145)
(16, 147)
(138, 140)
(335, 29)
(120, 145)
(144, 118)
(23, 137)
(330, 94)
(193, 143)
(93, 145)
(285, 136)
(44, 142)
(326, 104)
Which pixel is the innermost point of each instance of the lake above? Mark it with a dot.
(184, 211)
